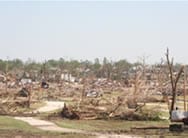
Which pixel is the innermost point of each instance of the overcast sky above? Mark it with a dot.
(86, 30)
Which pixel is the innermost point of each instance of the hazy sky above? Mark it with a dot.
(85, 30)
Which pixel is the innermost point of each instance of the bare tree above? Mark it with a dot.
(162, 80)
(173, 79)
(6, 75)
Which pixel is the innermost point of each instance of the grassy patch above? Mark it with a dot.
(10, 127)
(107, 125)
(8, 123)
(120, 127)
(21, 134)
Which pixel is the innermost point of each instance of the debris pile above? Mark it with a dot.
(69, 114)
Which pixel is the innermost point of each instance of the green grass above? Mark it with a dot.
(20, 134)
(8, 123)
(11, 127)
(123, 127)
(107, 125)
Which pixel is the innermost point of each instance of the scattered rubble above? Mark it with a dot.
(23, 92)
(69, 114)
(44, 85)
(87, 97)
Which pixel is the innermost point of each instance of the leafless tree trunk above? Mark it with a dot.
(29, 88)
(173, 79)
(6, 75)
(185, 83)
(162, 80)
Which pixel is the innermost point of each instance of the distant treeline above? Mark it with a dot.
(107, 68)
